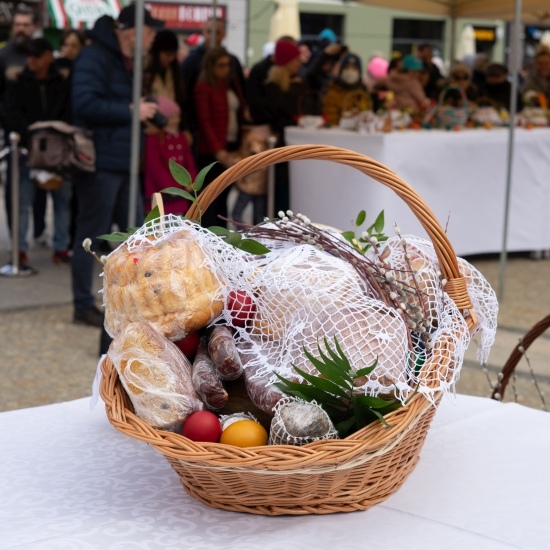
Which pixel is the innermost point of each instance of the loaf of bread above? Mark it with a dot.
(156, 376)
(166, 284)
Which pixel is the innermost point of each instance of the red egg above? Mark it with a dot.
(202, 426)
(241, 307)
(189, 345)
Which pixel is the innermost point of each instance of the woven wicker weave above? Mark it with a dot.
(324, 477)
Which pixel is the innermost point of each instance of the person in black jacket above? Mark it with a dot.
(256, 83)
(498, 88)
(38, 92)
(102, 101)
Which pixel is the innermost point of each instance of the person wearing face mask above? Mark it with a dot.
(346, 92)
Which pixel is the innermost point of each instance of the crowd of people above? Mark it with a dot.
(192, 112)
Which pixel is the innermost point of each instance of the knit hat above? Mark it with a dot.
(285, 52)
(165, 41)
(167, 107)
(412, 63)
(328, 35)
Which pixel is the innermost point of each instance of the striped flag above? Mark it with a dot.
(81, 14)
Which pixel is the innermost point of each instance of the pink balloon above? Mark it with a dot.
(378, 67)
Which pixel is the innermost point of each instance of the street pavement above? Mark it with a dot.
(45, 358)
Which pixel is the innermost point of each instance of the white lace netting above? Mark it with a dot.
(302, 295)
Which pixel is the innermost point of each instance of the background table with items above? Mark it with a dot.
(460, 175)
(70, 480)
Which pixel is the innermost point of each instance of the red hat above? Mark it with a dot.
(285, 52)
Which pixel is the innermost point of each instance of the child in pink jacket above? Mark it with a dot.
(169, 143)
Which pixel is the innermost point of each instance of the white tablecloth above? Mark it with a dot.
(70, 480)
(460, 175)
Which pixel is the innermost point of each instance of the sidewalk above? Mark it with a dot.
(48, 359)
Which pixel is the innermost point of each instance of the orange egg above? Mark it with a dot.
(244, 433)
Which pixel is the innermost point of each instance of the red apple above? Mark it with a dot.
(202, 426)
(241, 306)
(189, 345)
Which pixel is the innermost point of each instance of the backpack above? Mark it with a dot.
(61, 148)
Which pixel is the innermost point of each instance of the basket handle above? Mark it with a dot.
(456, 284)
(156, 200)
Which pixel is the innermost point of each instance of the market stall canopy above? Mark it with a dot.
(81, 14)
(532, 10)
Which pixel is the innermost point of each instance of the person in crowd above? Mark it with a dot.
(346, 92)
(163, 75)
(13, 57)
(305, 52)
(498, 88)
(168, 143)
(39, 92)
(72, 41)
(256, 82)
(396, 64)
(284, 90)
(377, 71)
(405, 85)
(102, 101)
(478, 64)
(221, 110)
(539, 79)
(193, 63)
(434, 76)
(324, 62)
(461, 75)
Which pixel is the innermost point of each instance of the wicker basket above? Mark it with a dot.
(323, 477)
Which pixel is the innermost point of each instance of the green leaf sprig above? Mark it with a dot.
(334, 389)
(184, 179)
(373, 234)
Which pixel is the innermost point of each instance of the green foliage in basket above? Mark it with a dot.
(190, 192)
(373, 234)
(334, 391)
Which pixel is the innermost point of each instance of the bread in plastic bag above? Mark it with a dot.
(167, 282)
(156, 376)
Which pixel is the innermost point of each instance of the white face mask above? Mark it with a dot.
(350, 76)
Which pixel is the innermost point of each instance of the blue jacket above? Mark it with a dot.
(101, 95)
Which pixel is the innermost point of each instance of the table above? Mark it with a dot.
(460, 175)
(70, 480)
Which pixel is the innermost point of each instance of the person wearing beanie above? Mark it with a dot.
(287, 52)
(167, 143)
(255, 84)
(284, 93)
(346, 92)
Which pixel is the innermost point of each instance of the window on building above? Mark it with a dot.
(408, 33)
(311, 24)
